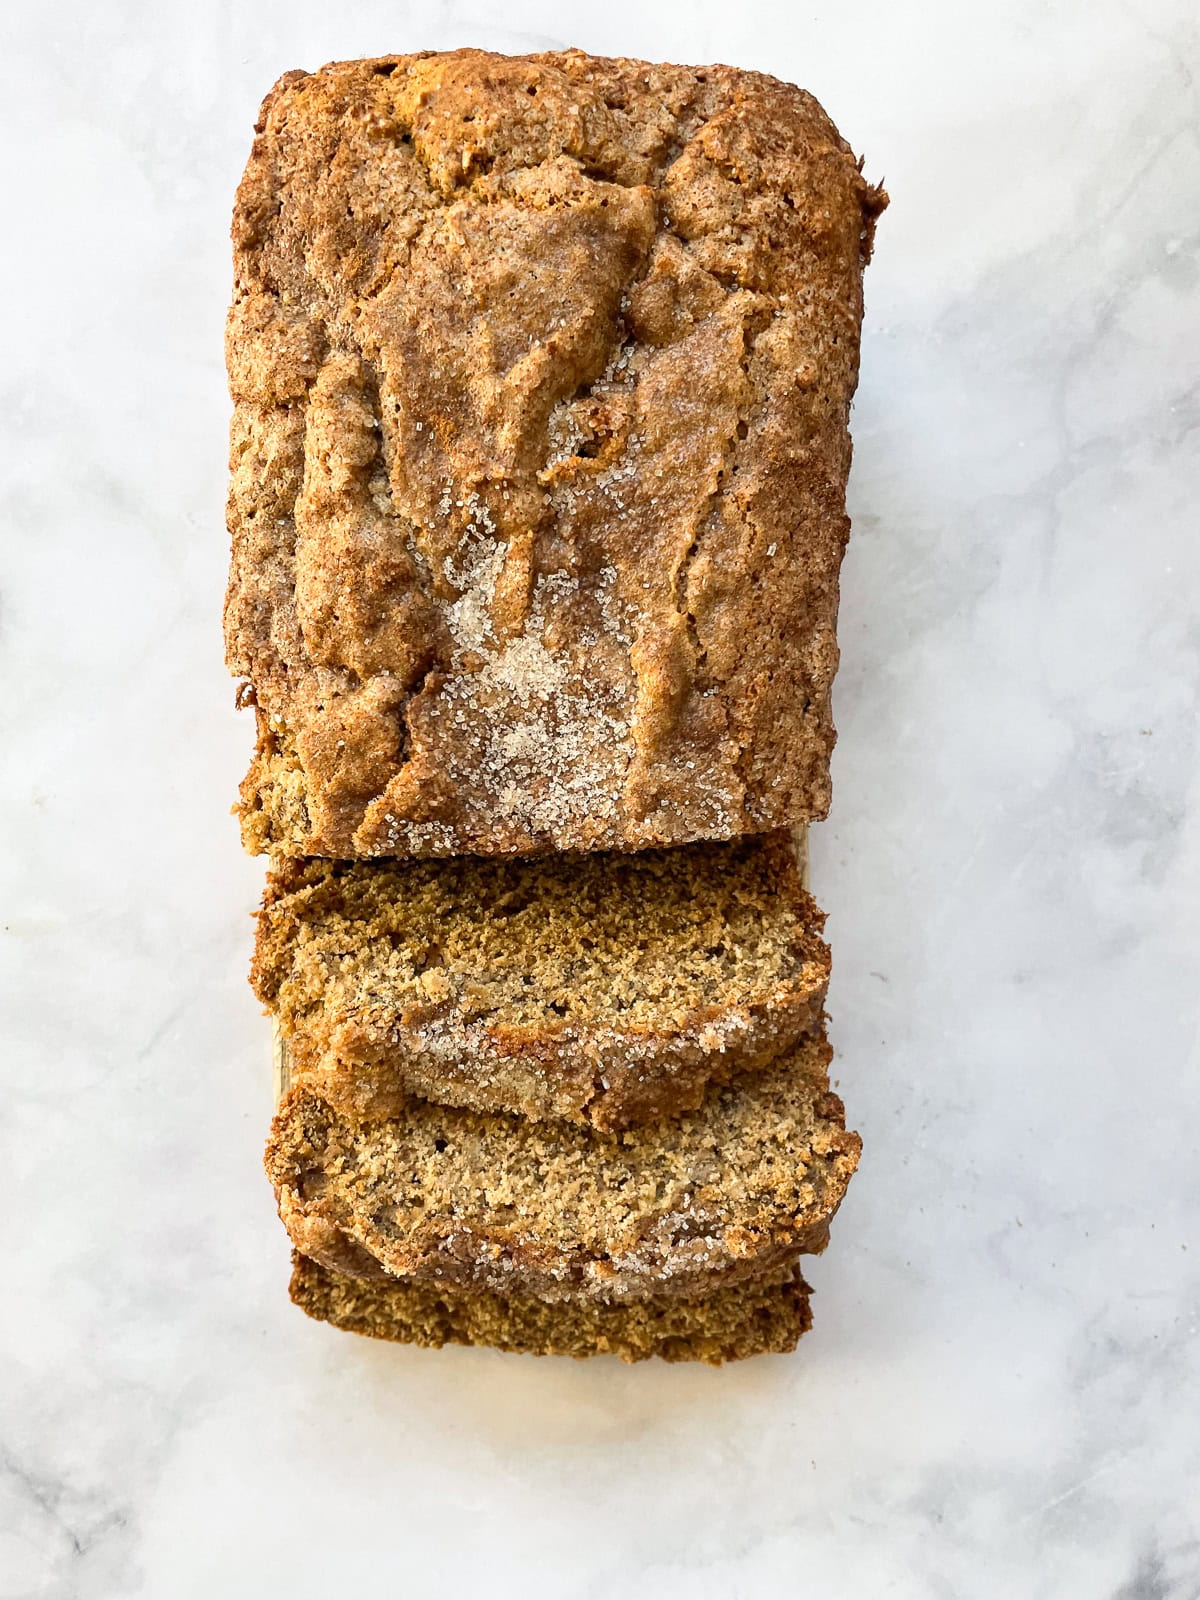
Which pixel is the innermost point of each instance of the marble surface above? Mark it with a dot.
(1000, 1395)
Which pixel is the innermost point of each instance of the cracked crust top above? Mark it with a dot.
(541, 369)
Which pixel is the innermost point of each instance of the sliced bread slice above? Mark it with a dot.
(718, 1196)
(606, 989)
(749, 1320)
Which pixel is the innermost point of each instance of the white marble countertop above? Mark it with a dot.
(1000, 1397)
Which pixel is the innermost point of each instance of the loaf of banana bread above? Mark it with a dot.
(542, 370)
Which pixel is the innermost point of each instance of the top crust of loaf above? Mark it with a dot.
(541, 369)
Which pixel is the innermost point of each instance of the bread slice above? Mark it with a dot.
(715, 1197)
(542, 370)
(608, 989)
(749, 1320)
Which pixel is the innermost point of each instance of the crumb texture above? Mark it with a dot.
(604, 988)
(730, 1325)
(715, 1197)
(541, 370)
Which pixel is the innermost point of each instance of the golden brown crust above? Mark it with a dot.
(602, 988)
(541, 370)
(754, 1319)
(713, 1198)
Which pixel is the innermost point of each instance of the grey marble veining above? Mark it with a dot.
(1000, 1396)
